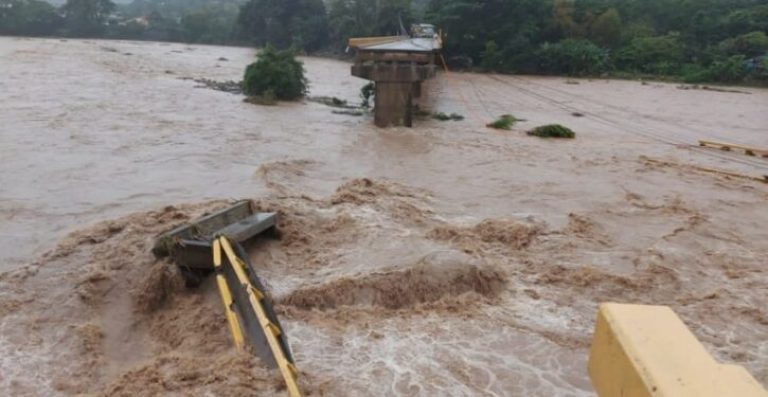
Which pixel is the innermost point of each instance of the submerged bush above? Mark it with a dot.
(278, 72)
(552, 131)
(505, 122)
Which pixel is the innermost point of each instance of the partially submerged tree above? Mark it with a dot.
(276, 72)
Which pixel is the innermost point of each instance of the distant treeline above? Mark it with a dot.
(692, 40)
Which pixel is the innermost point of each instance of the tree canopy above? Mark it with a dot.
(276, 73)
(693, 40)
(86, 17)
(285, 23)
(29, 18)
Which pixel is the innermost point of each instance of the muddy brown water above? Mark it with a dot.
(447, 259)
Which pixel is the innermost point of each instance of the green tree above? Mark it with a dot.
(276, 72)
(491, 59)
(729, 70)
(658, 54)
(363, 18)
(606, 29)
(739, 20)
(28, 17)
(212, 24)
(751, 44)
(574, 57)
(284, 23)
(87, 17)
(564, 13)
(517, 27)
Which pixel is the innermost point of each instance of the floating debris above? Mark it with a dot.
(349, 112)
(708, 88)
(230, 86)
(331, 101)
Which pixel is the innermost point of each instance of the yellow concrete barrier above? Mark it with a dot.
(647, 351)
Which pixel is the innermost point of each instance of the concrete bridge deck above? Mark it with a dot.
(405, 44)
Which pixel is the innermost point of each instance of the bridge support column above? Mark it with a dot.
(416, 90)
(397, 83)
(394, 104)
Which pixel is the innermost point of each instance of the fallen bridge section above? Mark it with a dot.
(212, 244)
(398, 65)
(249, 310)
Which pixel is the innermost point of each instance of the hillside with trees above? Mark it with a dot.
(703, 40)
(695, 41)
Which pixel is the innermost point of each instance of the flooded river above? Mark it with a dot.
(104, 144)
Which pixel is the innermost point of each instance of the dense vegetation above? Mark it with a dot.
(701, 40)
(275, 74)
(692, 40)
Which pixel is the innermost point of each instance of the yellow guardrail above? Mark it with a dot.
(255, 297)
(226, 297)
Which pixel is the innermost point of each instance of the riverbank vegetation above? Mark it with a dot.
(721, 41)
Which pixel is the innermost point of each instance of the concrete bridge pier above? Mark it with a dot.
(397, 84)
(416, 89)
(394, 104)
